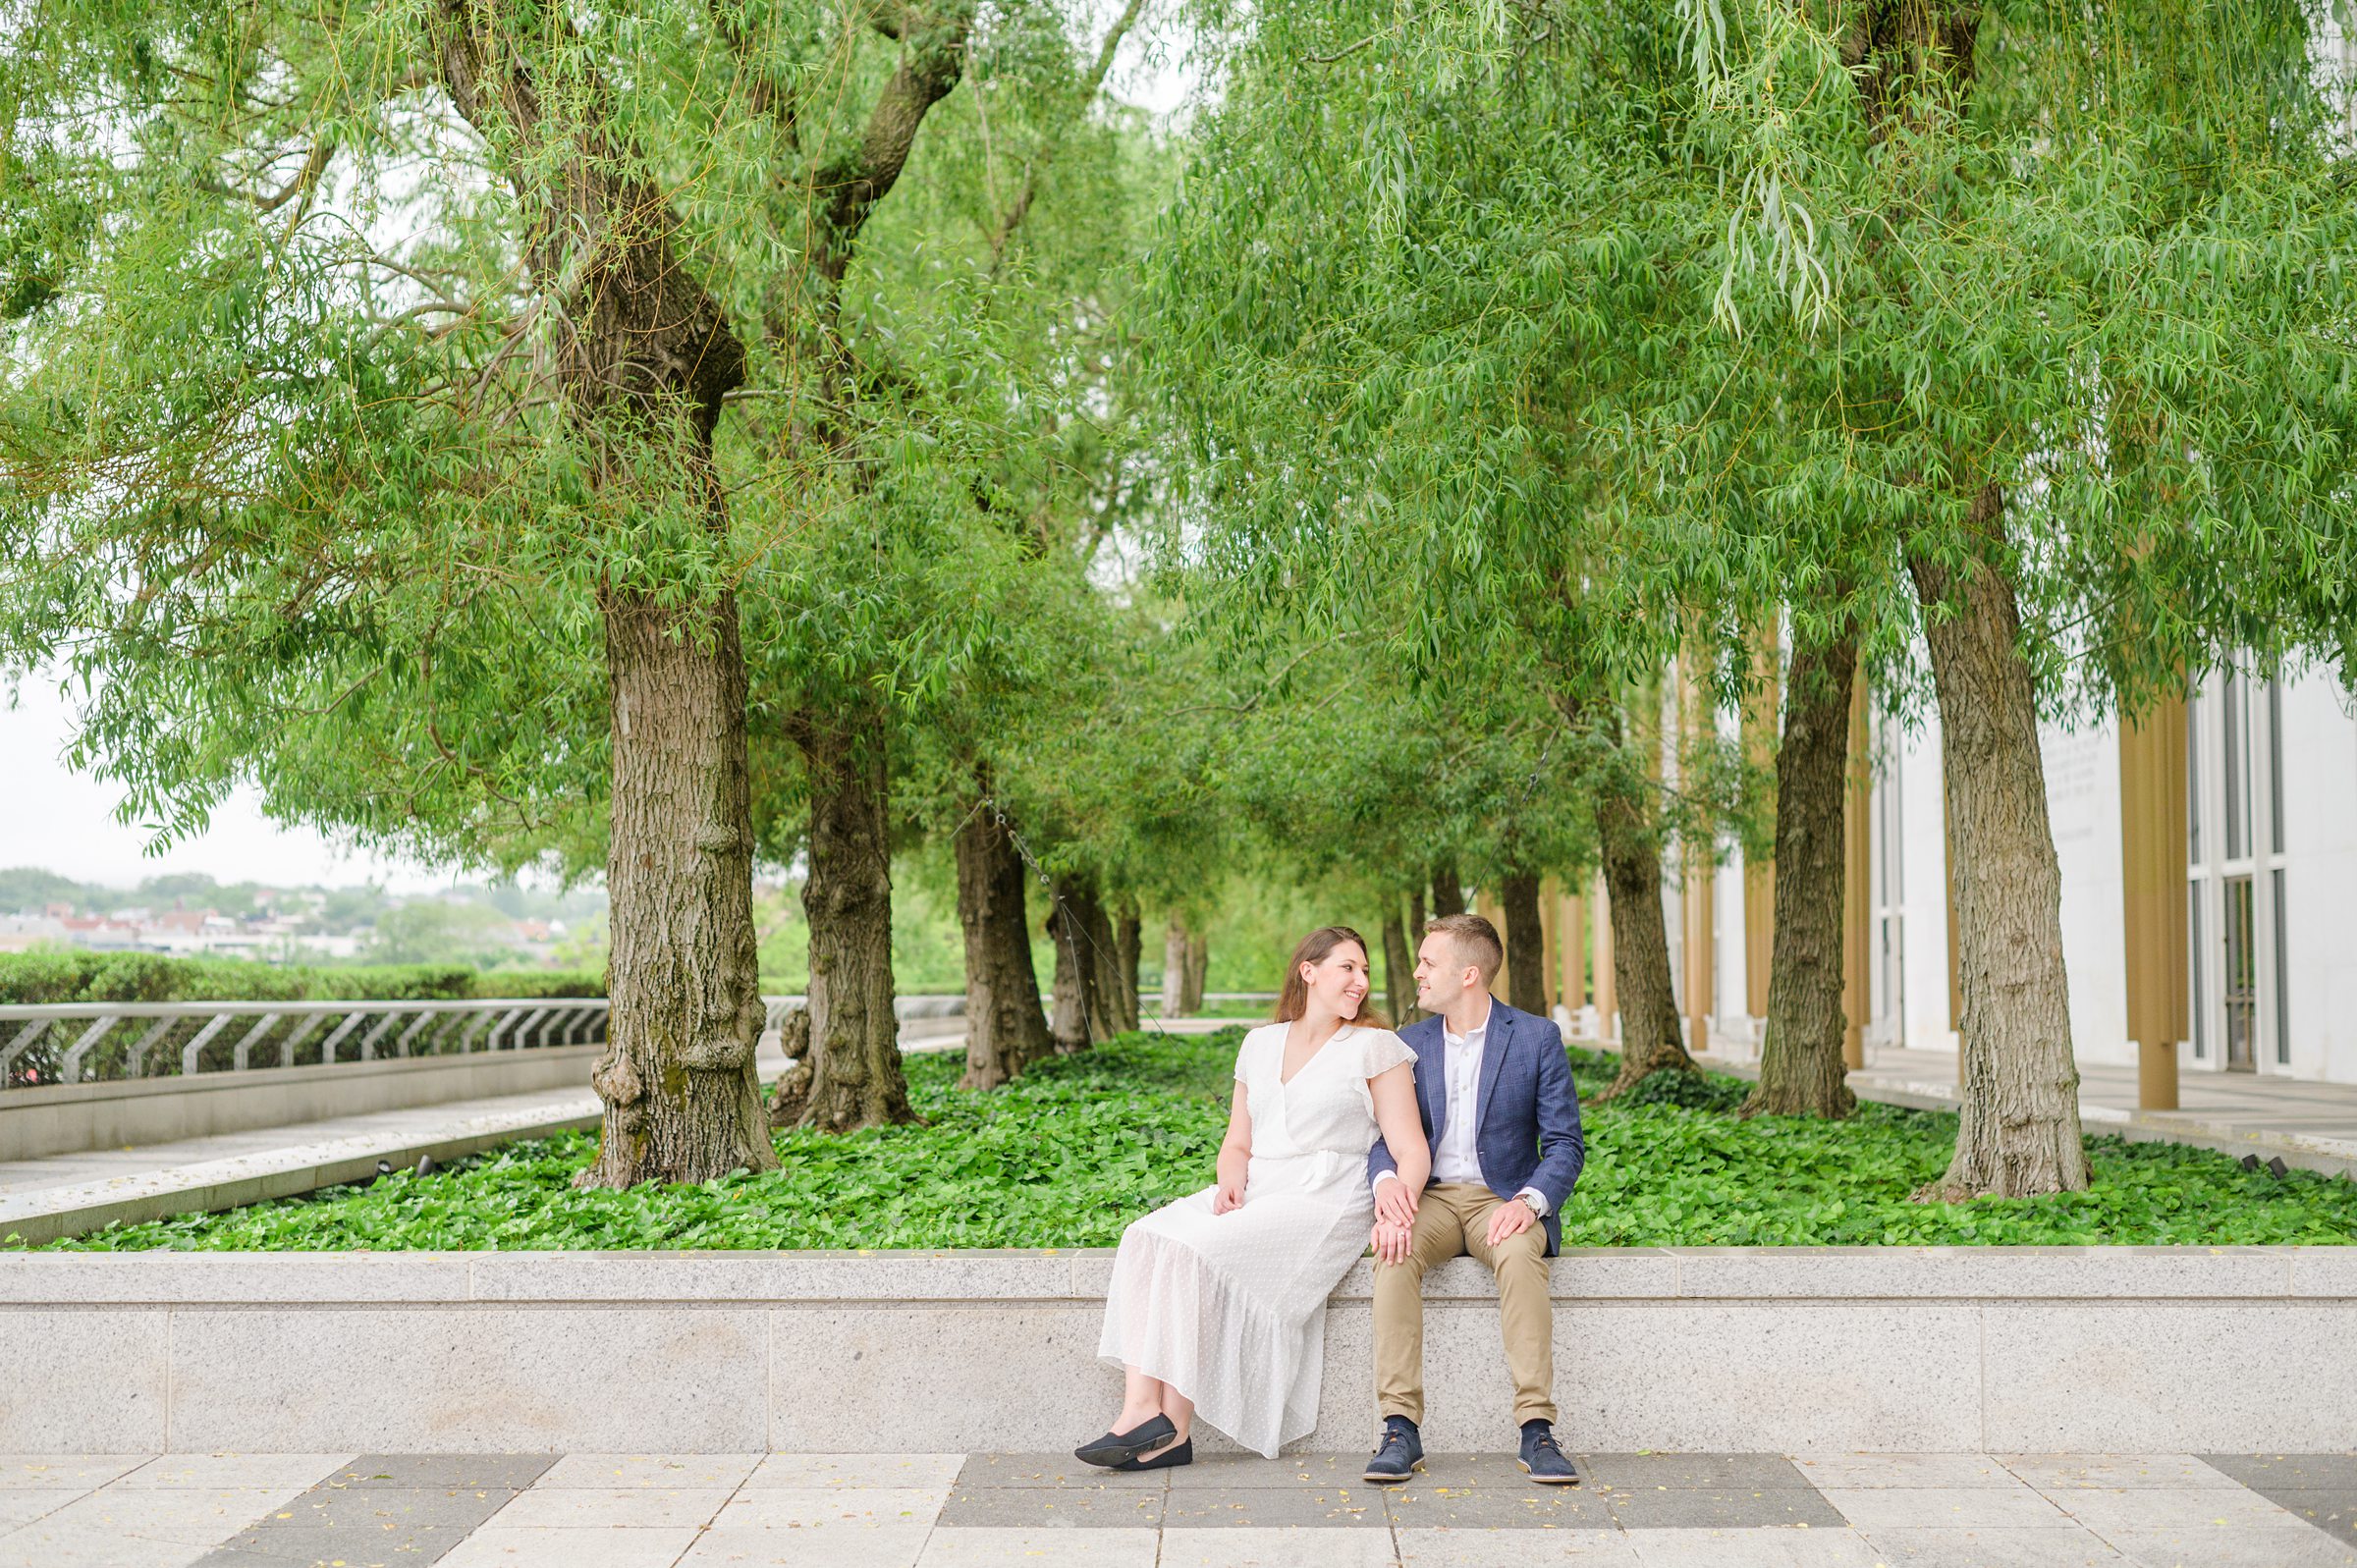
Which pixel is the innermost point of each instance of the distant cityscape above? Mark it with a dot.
(500, 925)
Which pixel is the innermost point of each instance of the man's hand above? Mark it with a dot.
(1227, 1197)
(1511, 1218)
(1394, 1202)
(1390, 1241)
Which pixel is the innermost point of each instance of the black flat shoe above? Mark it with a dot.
(1117, 1449)
(1180, 1453)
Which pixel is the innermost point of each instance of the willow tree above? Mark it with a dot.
(259, 434)
(2022, 329)
(939, 547)
(316, 463)
(2042, 300)
(1364, 454)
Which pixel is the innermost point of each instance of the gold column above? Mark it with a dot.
(1550, 894)
(1573, 946)
(1695, 729)
(1486, 905)
(1856, 886)
(1759, 881)
(1607, 989)
(2152, 872)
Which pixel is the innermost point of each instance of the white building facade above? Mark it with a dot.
(2271, 886)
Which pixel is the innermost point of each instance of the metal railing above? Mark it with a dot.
(104, 1041)
(87, 1042)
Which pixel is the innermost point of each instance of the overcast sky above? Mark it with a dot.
(65, 821)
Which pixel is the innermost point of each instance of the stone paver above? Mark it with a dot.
(2320, 1489)
(884, 1547)
(861, 1470)
(1514, 1549)
(1972, 1508)
(1948, 1546)
(1280, 1547)
(650, 1470)
(1647, 1510)
(498, 1546)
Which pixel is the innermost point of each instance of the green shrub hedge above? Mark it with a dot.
(73, 975)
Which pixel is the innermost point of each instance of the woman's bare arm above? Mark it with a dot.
(1236, 1154)
(1395, 1092)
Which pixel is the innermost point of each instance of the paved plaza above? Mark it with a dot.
(1646, 1510)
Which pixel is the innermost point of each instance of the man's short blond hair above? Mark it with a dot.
(1476, 940)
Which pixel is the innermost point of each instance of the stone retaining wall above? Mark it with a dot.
(1902, 1349)
(65, 1119)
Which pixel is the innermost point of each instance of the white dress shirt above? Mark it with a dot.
(1455, 1157)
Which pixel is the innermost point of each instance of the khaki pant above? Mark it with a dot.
(1452, 1219)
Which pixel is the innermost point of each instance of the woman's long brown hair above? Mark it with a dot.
(1294, 1000)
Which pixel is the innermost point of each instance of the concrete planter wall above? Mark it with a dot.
(62, 1118)
(1923, 1349)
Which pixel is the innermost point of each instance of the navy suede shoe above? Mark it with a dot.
(1117, 1449)
(1402, 1453)
(1542, 1460)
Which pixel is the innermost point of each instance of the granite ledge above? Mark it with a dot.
(1731, 1274)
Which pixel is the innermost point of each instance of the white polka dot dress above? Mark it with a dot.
(1230, 1309)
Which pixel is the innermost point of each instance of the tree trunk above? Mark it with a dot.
(1448, 892)
(643, 358)
(1174, 969)
(1801, 1069)
(1525, 943)
(1005, 1028)
(1398, 967)
(1128, 950)
(1198, 966)
(1068, 989)
(2018, 1133)
(852, 1077)
(1629, 838)
(1086, 985)
(681, 1100)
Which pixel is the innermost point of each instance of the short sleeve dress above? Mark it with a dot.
(1230, 1309)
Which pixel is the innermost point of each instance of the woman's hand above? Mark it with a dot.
(1227, 1196)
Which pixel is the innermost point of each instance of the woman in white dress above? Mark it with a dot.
(1217, 1303)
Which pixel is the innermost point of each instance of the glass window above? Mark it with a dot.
(2201, 1012)
(2275, 770)
(2193, 777)
(2283, 981)
(2241, 990)
(2237, 745)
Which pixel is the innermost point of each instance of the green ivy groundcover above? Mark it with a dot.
(1078, 1146)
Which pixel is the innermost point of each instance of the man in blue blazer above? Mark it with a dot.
(1494, 1091)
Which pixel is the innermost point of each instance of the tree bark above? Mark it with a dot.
(852, 1077)
(1448, 892)
(1399, 966)
(1087, 979)
(1129, 951)
(1801, 1069)
(1173, 968)
(2018, 1133)
(1004, 1027)
(681, 1100)
(643, 357)
(1629, 837)
(1198, 966)
(1525, 943)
